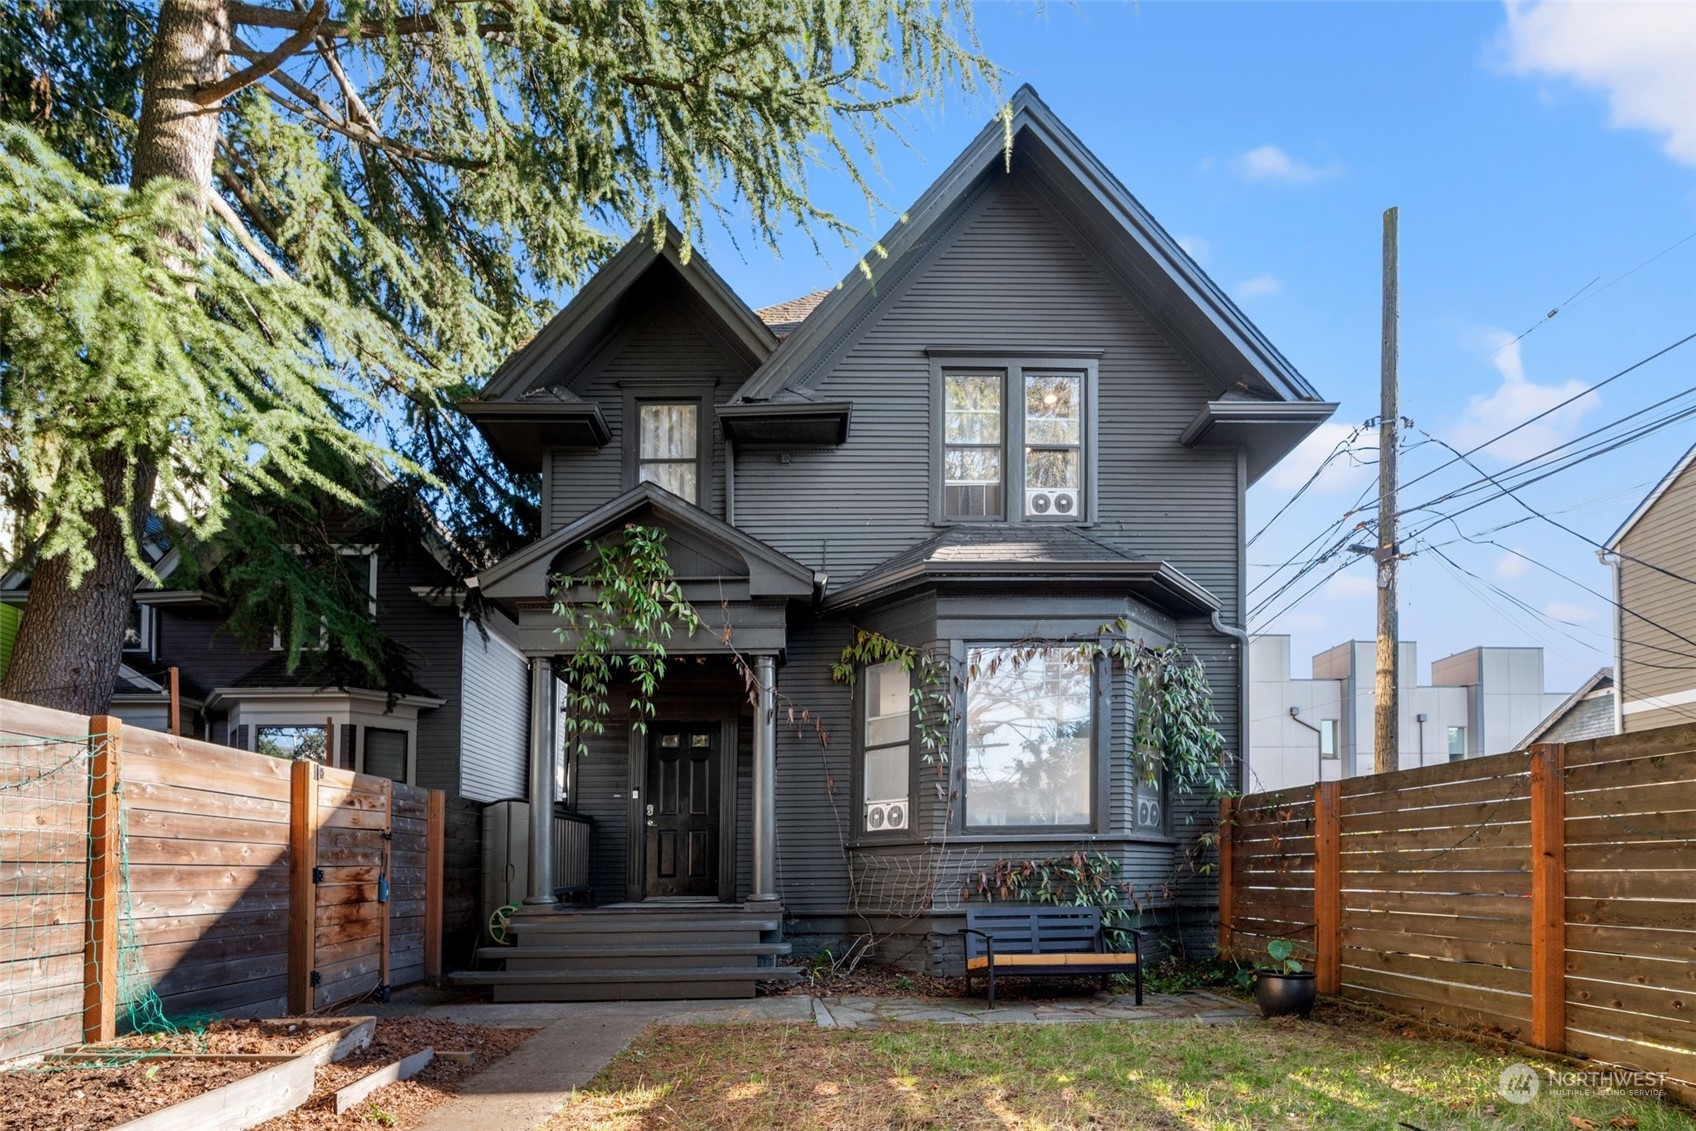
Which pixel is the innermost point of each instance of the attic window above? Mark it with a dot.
(668, 447)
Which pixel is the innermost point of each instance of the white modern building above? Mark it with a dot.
(1302, 730)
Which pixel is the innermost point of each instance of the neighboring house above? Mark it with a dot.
(1037, 416)
(1586, 713)
(462, 728)
(1481, 701)
(1653, 556)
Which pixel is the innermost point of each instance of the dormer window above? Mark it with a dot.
(1020, 423)
(668, 447)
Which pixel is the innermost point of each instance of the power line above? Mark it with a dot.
(1343, 445)
(1552, 409)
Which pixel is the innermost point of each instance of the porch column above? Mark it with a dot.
(544, 718)
(765, 782)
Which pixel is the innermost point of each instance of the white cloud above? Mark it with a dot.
(1269, 163)
(1560, 610)
(1259, 286)
(1341, 474)
(1511, 565)
(1516, 400)
(1641, 55)
(1351, 586)
(1197, 247)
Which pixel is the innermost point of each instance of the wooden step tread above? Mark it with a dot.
(569, 977)
(633, 950)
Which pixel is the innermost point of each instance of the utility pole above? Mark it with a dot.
(1386, 743)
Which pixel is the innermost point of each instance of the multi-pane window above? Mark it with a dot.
(1053, 443)
(1457, 743)
(1328, 738)
(1030, 736)
(668, 447)
(1014, 442)
(886, 765)
(973, 443)
(138, 628)
(292, 742)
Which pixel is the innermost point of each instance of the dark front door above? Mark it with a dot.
(682, 809)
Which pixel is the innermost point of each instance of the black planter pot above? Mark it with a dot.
(1280, 995)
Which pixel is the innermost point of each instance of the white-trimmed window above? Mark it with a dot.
(1030, 737)
(384, 753)
(886, 758)
(668, 446)
(139, 628)
(291, 742)
(1013, 440)
(360, 562)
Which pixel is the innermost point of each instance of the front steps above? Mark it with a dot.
(635, 952)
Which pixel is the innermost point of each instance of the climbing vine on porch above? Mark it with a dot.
(637, 607)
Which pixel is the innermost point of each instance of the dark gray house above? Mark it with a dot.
(1037, 416)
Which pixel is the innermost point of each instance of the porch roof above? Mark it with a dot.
(709, 543)
(996, 555)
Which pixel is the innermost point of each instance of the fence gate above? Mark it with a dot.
(344, 828)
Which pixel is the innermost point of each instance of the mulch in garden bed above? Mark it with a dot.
(41, 1097)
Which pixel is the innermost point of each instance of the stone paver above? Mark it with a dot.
(578, 1039)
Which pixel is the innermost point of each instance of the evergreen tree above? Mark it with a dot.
(252, 253)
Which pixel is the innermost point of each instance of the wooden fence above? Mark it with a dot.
(227, 881)
(1549, 894)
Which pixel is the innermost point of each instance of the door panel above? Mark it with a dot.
(682, 817)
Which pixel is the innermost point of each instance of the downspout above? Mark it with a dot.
(1241, 637)
(729, 480)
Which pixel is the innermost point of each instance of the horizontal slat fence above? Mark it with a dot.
(208, 914)
(1548, 894)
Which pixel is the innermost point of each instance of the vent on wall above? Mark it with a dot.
(1055, 503)
(883, 815)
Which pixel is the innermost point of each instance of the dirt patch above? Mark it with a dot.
(399, 1105)
(870, 979)
(92, 1099)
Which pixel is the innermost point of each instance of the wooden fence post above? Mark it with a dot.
(1227, 834)
(104, 895)
(386, 888)
(1327, 887)
(435, 854)
(1548, 896)
(303, 891)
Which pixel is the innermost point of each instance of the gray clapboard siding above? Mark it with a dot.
(1651, 664)
(669, 345)
(495, 721)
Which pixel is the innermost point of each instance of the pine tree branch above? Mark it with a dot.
(268, 62)
(246, 238)
(261, 15)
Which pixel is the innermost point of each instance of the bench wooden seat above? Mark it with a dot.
(1044, 940)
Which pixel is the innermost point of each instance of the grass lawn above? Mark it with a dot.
(1342, 1070)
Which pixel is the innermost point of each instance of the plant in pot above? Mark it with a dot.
(1284, 987)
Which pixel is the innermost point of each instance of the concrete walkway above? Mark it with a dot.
(577, 1040)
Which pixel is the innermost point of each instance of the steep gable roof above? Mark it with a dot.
(1653, 497)
(1174, 292)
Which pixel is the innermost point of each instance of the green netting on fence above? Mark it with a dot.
(46, 902)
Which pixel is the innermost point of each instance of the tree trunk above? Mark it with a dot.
(70, 642)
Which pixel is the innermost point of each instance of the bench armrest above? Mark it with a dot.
(988, 940)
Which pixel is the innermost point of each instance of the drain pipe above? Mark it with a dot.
(1241, 637)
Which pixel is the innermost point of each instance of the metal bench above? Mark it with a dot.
(1044, 940)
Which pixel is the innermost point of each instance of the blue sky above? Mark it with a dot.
(1536, 152)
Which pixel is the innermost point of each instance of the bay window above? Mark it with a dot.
(886, 747)
(1029, 737)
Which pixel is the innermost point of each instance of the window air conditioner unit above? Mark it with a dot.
(881, 815)
(1062, 502)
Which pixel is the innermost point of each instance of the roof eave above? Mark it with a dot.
(1165, 584)
(517, 433)
(1267, 430)
(1661, 488)
(810, 423)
